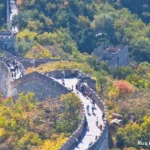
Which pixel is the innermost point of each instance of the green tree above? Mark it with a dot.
(70, 116)
(128, 135)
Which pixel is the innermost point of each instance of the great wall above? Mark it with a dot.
(49, 86)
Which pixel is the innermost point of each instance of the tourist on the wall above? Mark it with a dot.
(76, 140)
(97, 121)
(88, 108)
(103, 116)
(93, 107)
(100, 127)
(90, 144)
(63, 81)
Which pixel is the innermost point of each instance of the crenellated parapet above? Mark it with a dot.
(68, 73)
(7, 41)
(102, 140)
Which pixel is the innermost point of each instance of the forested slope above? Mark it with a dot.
(72, 26)
(2, 13)
(141, 7)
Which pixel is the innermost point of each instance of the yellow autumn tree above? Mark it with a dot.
(54, 143)
(62, 65)
(38, 51)
(3, 134)
(26, 34)
(113, 92)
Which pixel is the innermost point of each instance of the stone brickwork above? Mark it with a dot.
(44, 87)
(102, 141)
(7, 41)
(4, 78)
(73, 73)
(114, 56)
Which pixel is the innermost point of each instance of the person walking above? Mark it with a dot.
(93, 107)
(103, 116)
(90, 144)
(90, 95)
(86, 125)
(86, 93)
(63, 81)
(15, 75)
(93, 101)
(101, 127)
(76, 87)
(87, 108)
(76, 140)
(97, 121)
(12, 75)
(95, 137)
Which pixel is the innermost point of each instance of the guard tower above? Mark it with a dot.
(7, 41)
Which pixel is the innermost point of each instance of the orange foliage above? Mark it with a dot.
(19, 2)
(124, 87)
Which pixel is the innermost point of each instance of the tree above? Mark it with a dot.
(29, 139)
(131, 133)
(125, 88)
(3, 15)
(70, 116)
(128, 135)
(122, 72)
(14, 21)
(101, 80)
(38, 51)
(55, 143)
(104, 23)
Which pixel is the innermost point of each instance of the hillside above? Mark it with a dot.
(142, 8)
(2, 13)
(71, 30)
(71, 27)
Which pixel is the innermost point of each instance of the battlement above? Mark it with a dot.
(7, 41)
(102, 141)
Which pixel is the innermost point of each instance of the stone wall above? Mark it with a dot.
(4, 79)
(7, 41)
(102, 142)
(98, 51)
(71, 74)
(35, 62)
(29, 62)
(44, 87)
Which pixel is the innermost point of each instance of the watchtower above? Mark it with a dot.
(7, 41)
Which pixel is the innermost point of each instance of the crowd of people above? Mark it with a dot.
(15, 68)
